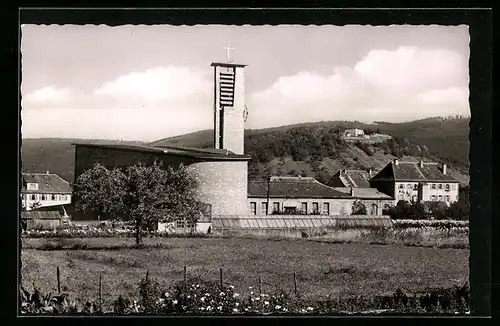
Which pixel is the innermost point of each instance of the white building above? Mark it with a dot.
(44, 189)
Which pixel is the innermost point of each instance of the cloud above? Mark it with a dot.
(411, 67)
(49, 94)
(406, 83)
(157, 84)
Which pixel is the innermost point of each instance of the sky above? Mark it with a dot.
(147, 82)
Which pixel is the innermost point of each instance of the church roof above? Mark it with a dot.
(198, 153)
(293, 187)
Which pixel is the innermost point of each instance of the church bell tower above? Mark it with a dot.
(229, 106)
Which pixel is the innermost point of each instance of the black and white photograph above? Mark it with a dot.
(272, 170)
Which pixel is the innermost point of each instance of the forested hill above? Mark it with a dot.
(314, 149)
(317, 149)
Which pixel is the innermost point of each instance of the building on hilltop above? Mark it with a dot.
(222, 171)
(44, 189)
(417, 182)
(351, 178)
(354, 132)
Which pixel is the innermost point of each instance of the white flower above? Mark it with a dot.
(219, 307)
(231, 286)
(222, 294)
(309, 308)
(237, 304)
(209, 308)
(167, 294)
(251, 292)
(235, 310)
(202, 299)
(236, 295)
(266, 302)
(174, 301)
(277, 307)
(250, 287)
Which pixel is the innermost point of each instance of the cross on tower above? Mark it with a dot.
(228, 54)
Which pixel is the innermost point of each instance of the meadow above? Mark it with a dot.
(321, 268)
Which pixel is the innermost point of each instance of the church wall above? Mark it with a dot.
(223, 185)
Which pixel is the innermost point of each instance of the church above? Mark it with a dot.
(222, 171)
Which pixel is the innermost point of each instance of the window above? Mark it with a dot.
(440, 186)
(63, 197)
(253, 208)
(326, 208)
(33, 197)
(43, 197)
(433, 186)
(440, 198)
(374, 209)
(263, 208)
(387, 206)
(53, 197)
(401, 197)
(414, 198)
(447, 198)
(433, 197)
(453, 187)
(315, 208)
(303, 208)
(409, 186)
(447, 186)
(415, 186)
(276, 207)
(401, 186)
(181, 224)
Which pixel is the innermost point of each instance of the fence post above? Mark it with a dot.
(185, 280)
(260, 286)
(220, 273)
(147, 275)
(295, 283)
(100, 291)
(58, 281)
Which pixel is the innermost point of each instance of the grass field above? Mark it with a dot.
(321, 268)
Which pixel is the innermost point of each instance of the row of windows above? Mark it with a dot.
(46, 197)
(433, 186)
(433, 198)
(291, 209)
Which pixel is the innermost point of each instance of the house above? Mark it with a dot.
(372, 199)
(41, 220)
(417, 182)
(44, 189)
(292, 195)
(354, 133)
(351, 179)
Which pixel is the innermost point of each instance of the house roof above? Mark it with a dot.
(198, 153)
(47, 183)
(364, 193)
(40, 215)
(354, 178)
(293, 187)
(412, 171)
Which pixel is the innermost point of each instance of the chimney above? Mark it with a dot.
(421, 164)
(396, 162)
(352, 192)
(370, 172)
(444, 168)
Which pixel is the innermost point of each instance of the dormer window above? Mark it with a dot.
(32, 186)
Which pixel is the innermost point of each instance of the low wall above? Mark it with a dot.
(42, 224)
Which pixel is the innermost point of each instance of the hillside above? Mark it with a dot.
(309, 149)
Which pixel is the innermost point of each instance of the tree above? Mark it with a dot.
(142, 193)
(100, 191)
(35, 205)
(459, 210)
(358, 208)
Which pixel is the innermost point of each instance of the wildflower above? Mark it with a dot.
(277, 307)
(222, 294)
(236, 304)
(266, 302)
(250, 287)
(251, 292)
(173, 301)
(310, 308)
(188, 296)
(236, 295)
(197, 285)
(202, 299)
(209, 308)
(231, 286)
(219, 307)
(167, 294)
(207, 294)
(257, 298)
